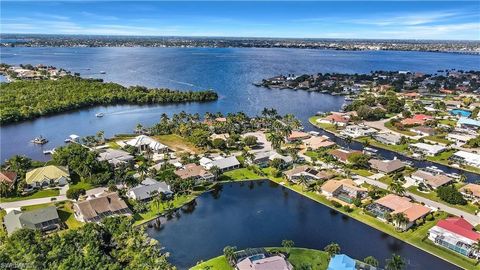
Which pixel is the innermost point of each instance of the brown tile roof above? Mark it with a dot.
(473, 188)
(399, 204)
(318, 142)
(342, 154)
(8, 177)
(297, 135)
(93, 208)
(331, 185)
(434, 181)
(386, 166)
(192, 170)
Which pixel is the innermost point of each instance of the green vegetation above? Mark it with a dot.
(390, 126)
(43, 193)
(298, 257)
(239, 174)
(114, 244)
(178, 143)
(438, 139)
(22, 100)
(325, 126)
(451, 195)
(470, 208)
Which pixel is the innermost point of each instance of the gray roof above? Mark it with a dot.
(16, 219)
(226, 162)
(148, 188)
(115, 156)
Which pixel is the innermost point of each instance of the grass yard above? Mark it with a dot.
(325, 126)
(401, 148)
(82, 184)
(65, 212)
(43, 193)
(316, 259)
(448, 122)
(432, 195)
(239, 174)
(442, 157)
(438, 139)
(404, 132)
(178, 143)
(413, 236)
(362, 172)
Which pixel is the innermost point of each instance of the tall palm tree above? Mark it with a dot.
(303, 181)
(143, 170)
(400, 219)
(396, 187)
(276, 139)
(395, 263)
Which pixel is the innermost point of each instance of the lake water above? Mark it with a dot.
(229, 71)
(262, 213)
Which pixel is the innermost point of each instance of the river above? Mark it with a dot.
(262, 213)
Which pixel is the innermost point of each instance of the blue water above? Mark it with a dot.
(229, 71)
(461, 112)
(262, 214)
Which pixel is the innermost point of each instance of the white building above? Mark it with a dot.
(467, 158)
(427, 149)
(356, 131)
(459, 139)
(143, 142)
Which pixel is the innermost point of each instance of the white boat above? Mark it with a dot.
(40, 140)
(368, 149)
(99, 114)
(103, 72)
(49, 152)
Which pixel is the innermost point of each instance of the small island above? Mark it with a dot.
(40, 93)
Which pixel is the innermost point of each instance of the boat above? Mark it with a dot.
(72, 139)
(349, 98)
(49, 152)
(371, 150)
(99, 114)
(40, 140)
(103, 72)
(408, 162)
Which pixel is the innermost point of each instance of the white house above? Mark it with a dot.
(149, 188)
(143, 142)
(459, 139)
(427, 149)
(223, 163)
(464, 157)
(356, 131)
(387, 138)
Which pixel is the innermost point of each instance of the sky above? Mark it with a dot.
(341, 19)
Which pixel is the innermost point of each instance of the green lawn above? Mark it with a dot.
(65, 212)
(413, 236)
(178, 143)
(448, 122)
(318, 260)
(38, 194)
(362, 172)
(470, 208)
(442, 157)
(405, 132)
(325, 126)
(82, 184)
(239, 174)
(438, 139)
(400, 148)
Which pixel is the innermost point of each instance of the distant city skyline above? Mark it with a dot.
(437, 20)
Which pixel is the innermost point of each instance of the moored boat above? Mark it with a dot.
(99, 114)
(40, 140)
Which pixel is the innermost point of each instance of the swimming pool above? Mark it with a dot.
(463, 113)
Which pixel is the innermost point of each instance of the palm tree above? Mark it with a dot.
(101, 136)
(287, 245)
(332, 249)
(276, 139)
(476, 247)
(229, 253)
(370, 260)
(215, 170)
(303, 181)
(395, 263)
(4, 189)
(396, 187)
(400, 219)
(462, 178)
(143, 170)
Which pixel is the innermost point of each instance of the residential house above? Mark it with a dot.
(310, 173)
(345, 190)
(456, 234)
(43, 219)
(223, 136)
(387, 166)
(426, 149)
(263, 158)
(342, 154)
(393, 204)
(195, 172)
(356, 131)
(223, 163)
(471, 192)
(388, 138)
(467, 158)
(317, 142)
(424, 131)
(95, 209)
(431, 180)
(460, 139)
(115, 157)
(418, 119)
(8, 178)
(48, 175)
(468, 123)
(298, 136)
(341, 262)
(263, 262)
(148, 189)
(142, 142)
(338, 119)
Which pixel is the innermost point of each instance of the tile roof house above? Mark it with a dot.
(345, 190)
(317, 142)
(456, 234)
(97, 208)
(418, 119)
(195, 172)
(298, 135)
(393, 204)
(47, 175)
(356, 131)
(276, 262)
(427, 149)
(223, 163)
(308, 172)
(148, 189)
(464, 157)
(387, 166)
(115, 157)
(433, 181)
(335, 118)
(143, 142)
(424, 130)
(388, 138)
(43, 219)
(342, 154)
(471, 191)
(8, 178)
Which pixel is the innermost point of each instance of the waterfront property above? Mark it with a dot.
(344, 190)
(471, 192)
(298, 136)
(467, 158)
(96, 208)
(115, 157)
(456, 234)
(341, 262)
(342, 154)
(339, 119)
(8, 178)
(427, 149)
(391, 204)
(356, 131)
(43, 219)
(386, 166)
(388, 138)
(223, 163)
(50, 175)
(149, 188)
(143, 142)
(308, 172)
(430, 179)
(260, 259)
(263, 158)
(195, 172)
(318, 142)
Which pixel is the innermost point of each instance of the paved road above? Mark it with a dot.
(474, 219)
(59, 198)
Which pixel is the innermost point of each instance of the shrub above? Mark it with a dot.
(74, 193)
(451, 195)
(336, 204)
